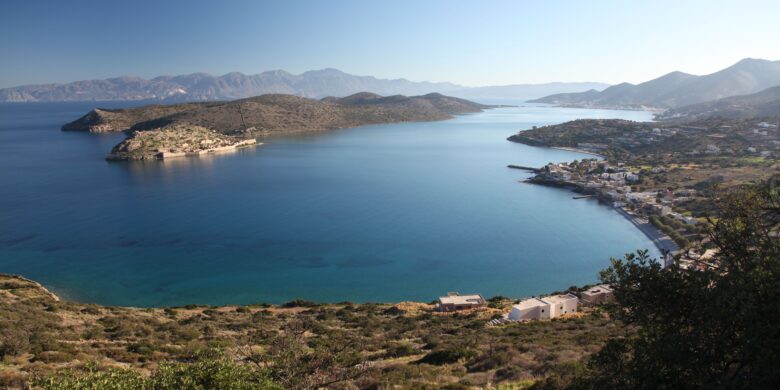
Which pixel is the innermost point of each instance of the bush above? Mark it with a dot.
(300, 303)
(397, 350)
(446, 356)
(210, 373)
(207, 372)
(113, 379)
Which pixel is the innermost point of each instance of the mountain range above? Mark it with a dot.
(313, 84)
(678, 89)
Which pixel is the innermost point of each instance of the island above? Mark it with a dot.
(188, 129)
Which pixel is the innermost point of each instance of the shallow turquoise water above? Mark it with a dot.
(377, 213)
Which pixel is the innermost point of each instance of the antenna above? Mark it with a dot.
(243, 125)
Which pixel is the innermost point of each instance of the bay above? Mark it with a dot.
(384, 213)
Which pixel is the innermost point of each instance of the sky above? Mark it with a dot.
(471, 43)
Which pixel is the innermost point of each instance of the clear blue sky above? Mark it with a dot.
(466, 42)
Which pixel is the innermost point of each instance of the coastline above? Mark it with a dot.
(662, 242)
(38, 285)
(583, 151)
(530, 142)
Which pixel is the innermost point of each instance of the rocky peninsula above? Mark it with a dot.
(161, 131)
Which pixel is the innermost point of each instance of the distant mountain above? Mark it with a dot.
(312, 84)
(762, 104)
(525, 91)
(678, 89)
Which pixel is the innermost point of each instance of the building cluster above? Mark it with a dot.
(612, 184)
(536, 308)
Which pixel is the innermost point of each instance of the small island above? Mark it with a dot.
(191, 129)
(176, 141)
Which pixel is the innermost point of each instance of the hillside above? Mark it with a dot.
(236, 85)
(678, 89)
(300, 344)
(268, 115)
(762, 104)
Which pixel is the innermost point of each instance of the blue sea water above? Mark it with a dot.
(377, 213)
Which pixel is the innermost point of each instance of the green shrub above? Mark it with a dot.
(446, 356)
(397, 350)
(300, 303)
(112, 379)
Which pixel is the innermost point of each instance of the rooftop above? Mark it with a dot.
(602, 288)
(556, 299)
(529, 303)
(472, 299)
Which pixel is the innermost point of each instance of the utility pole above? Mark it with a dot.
(243, 125)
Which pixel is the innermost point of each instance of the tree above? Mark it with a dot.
(716, 326)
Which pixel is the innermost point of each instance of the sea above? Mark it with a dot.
(381, 213)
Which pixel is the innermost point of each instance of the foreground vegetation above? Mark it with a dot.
(59, 345)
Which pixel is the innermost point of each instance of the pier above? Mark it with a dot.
(535, 170)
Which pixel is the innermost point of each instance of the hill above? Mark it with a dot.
(263, 115)
(301, 344)
(678, 89)
(762, 104)
(235, 85)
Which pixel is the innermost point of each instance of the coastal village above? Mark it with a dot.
(661, 176)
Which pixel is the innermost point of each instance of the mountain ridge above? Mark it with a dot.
(765, 103)
(320, 83)
(677, 89)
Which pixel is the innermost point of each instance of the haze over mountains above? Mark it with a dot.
(678, 89)
(312, 84)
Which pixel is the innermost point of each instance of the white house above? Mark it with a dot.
(530, 309)
(543, 308)
(561, 304)
(455, 301)
(597, 294)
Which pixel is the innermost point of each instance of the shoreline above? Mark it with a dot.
(583, 151)
(525, 141)
(662, 242)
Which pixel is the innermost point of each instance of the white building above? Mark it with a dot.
(455, 301)
(543, 308)
(561, 304)
(530, 309)
(597, 294)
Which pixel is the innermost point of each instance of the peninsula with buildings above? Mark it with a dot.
(175, 130)
(664, 175)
